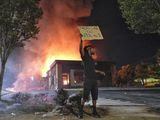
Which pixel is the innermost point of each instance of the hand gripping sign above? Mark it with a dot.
(90, 33)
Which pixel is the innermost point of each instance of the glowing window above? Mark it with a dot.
(65, 79)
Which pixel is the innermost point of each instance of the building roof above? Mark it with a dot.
(76, 62)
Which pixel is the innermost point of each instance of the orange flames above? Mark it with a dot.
(62, 44)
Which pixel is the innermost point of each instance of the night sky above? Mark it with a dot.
(120, 45)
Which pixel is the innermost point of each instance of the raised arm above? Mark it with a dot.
(81, 47)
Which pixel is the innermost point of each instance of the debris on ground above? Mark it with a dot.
(29, 102)
(58, 110)
(21, 97)
(47, 103)
(61, 104)
(62, 96)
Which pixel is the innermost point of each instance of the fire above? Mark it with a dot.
(58, 39)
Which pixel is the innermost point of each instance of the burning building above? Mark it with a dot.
(69, 74)
(58, 39)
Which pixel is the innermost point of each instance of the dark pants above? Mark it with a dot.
(90, 86)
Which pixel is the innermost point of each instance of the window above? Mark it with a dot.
(65, 79)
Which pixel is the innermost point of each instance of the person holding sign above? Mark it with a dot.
(90, 82)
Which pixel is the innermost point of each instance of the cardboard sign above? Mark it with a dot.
(90, 33)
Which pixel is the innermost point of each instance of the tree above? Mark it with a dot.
(125, 75)
(141, 71)
(157, 66)
(154, 68)
(142, 16)
(18, 24)
(154, 71)
(158, 57)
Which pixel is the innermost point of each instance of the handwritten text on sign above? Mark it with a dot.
(90, 33)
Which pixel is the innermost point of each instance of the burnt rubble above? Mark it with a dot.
(47, 104)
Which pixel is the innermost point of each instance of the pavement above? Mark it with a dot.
(128, 103)
(113, 104)
(110, 102)
(118, 89)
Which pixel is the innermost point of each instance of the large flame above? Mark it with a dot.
(58, 39)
